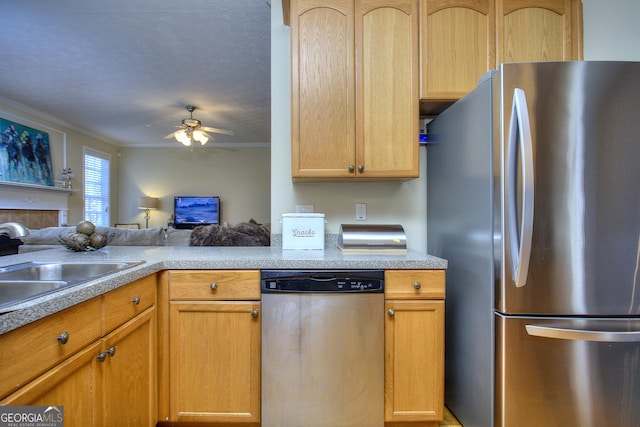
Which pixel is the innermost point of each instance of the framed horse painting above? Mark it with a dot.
(25, 154)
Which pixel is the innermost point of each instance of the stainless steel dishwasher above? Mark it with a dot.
(322, 348)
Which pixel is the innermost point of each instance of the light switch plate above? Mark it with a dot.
(361, 211)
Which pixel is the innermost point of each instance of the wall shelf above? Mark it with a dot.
(17, 186)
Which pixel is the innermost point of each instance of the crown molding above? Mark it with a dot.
(51, 119)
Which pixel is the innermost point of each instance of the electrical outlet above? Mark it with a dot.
(305, 208)
(361, 211)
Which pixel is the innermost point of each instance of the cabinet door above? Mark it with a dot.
(414, 361)
(128, 373)
(71, 384)
(322, 89)
(387, 105)
(538, 30)
(214, 368)
(457, 45)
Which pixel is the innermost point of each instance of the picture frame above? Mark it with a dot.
(133, 226)
(25, 154)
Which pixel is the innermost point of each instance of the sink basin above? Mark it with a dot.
(23, 290)
(22, 282)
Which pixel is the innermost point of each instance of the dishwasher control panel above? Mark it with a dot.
(322, 281)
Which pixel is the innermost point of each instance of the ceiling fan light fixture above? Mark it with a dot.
(192, 130)
(182, 137)
(198, 135)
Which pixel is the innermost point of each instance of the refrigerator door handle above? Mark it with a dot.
(520, 138)
(582, 334)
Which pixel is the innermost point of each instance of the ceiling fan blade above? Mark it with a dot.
(217, 130)
(207, 135)
(171, 135)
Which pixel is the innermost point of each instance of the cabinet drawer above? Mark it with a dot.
(414, 284)
(214, 285)
(30, 350)
(122, 304)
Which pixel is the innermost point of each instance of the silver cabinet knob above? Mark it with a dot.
(360, 168)
(416, 285)
(214, 286)
(63, 338)
(351, 168)
(103, 356)
(254, 313)
(136, 301)
(391, 312)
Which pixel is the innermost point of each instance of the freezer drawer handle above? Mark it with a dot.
(582, 334)
(519, 240)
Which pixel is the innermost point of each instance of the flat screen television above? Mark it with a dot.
(191, 211)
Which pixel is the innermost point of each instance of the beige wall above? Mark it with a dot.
(240, 176)
(611, 30)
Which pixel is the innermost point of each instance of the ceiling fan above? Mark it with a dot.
(191, 130)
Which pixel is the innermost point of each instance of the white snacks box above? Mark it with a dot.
(303, 231)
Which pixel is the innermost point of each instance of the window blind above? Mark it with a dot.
(96, 187)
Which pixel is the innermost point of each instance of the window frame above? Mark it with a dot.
(91, 215)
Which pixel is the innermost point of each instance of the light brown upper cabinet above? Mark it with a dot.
(354, 88)
(539, 30)
(463, 39)
(458, 46)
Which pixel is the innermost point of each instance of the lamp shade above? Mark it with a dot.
(146, 202)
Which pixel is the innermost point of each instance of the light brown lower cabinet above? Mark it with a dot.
(206, 329)
(414, 347)
(72, 384)
(210, 339)
(213, 347)
(110, 381)
(127, 374)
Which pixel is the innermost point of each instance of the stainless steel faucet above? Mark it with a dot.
(13, 229)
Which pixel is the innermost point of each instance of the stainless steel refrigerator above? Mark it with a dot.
(533, 184)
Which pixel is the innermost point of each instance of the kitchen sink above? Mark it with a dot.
(22, 282)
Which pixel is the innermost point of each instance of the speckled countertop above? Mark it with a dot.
(157, 258)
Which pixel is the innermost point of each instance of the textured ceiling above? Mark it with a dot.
(124, 70)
